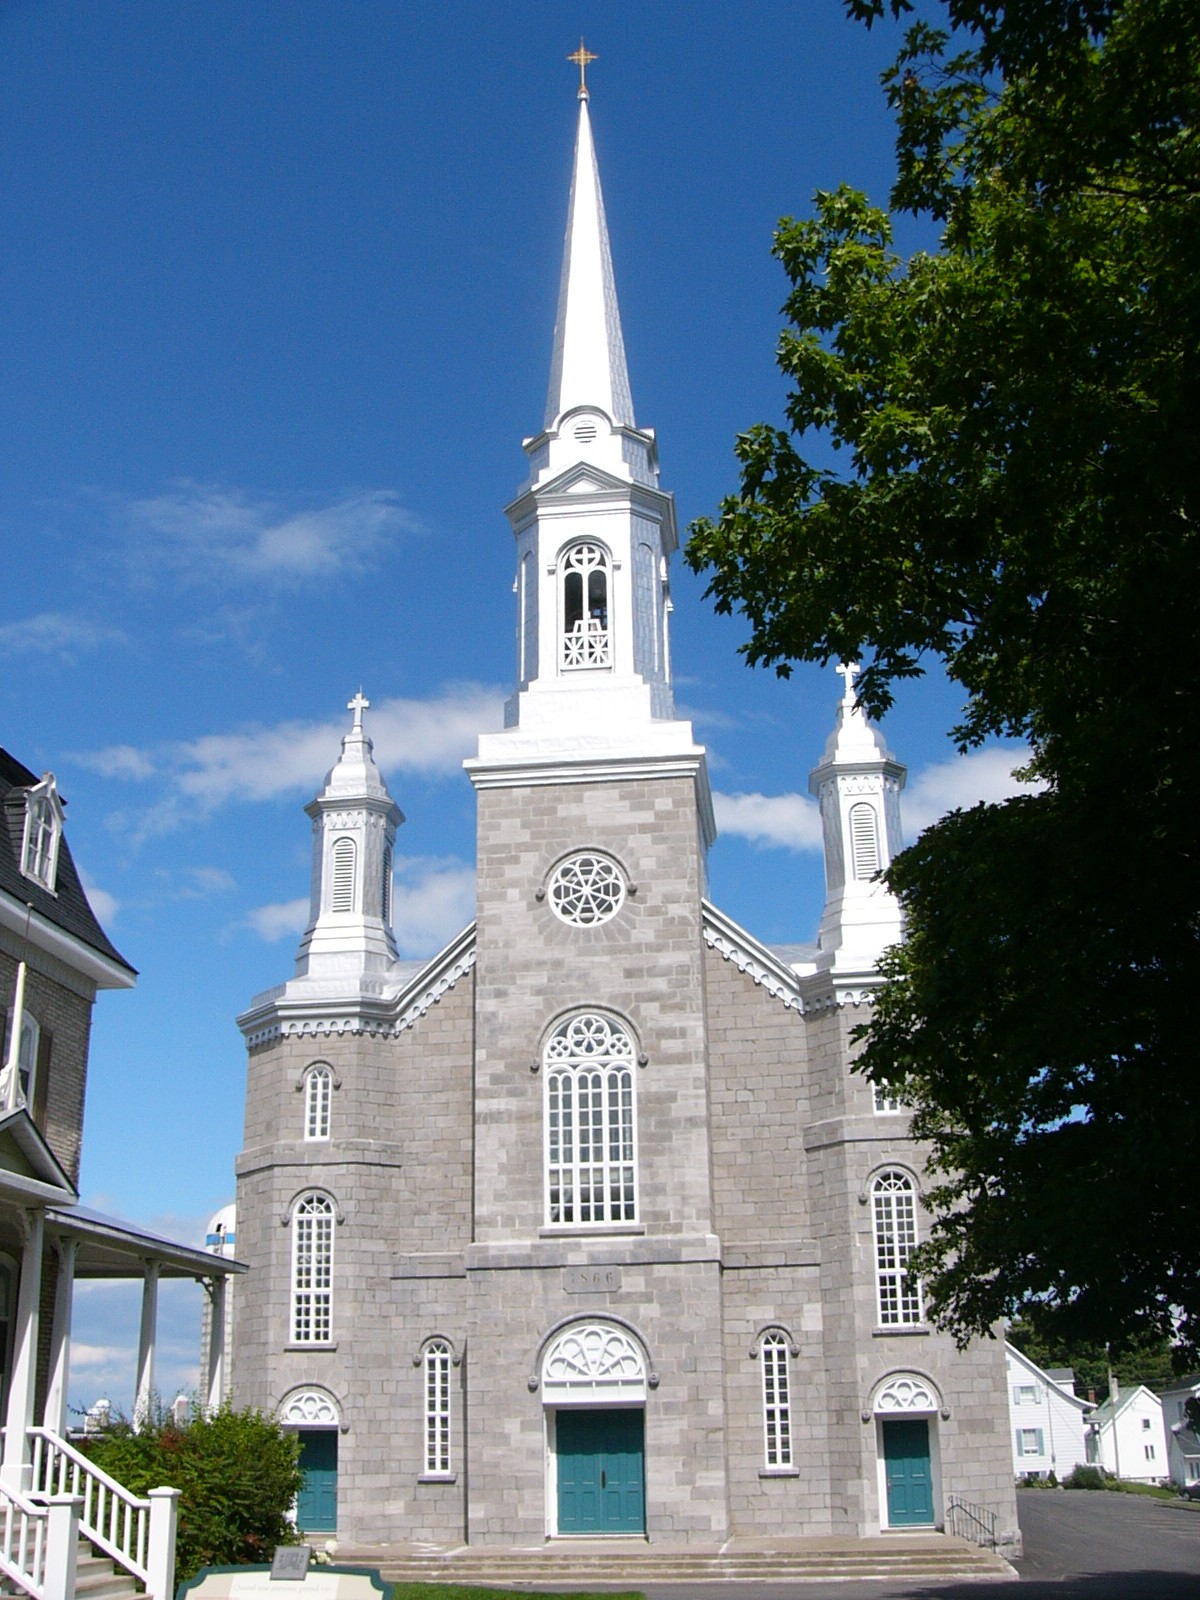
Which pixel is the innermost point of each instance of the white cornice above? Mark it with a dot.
(68, 948)
(436, 979)
(729, 940)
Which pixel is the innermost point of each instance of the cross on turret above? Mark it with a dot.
(849, 670)
(583, 57)
(358, 705)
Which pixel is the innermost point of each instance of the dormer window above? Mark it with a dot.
(586, 640)
(43, 833)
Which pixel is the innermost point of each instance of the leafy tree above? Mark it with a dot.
(237, 1472)
(1149, 1360)
(1019, 412)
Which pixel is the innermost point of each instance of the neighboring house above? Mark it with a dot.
(54, 959)
(1127, 1437)
(1183, 1441)
(584, 1225)
(1046, 1417)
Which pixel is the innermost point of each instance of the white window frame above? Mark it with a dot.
(343, 870)
(776, 1397)
(43, 833)
(1031, 1441)
(318, 1102)
(1025, 1394)
(313, 1219)
(590, 1121)
(884, 1101)
(1149, 1449)
(436, 1361)
(894, 1215)
(587, 644)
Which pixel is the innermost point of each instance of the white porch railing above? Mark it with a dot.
(137, 1534)
(23, 1541)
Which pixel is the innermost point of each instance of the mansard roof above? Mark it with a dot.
(67, 909)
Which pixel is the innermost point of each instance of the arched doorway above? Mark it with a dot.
(593, 1383)
(315, 1417)
(905, 1410)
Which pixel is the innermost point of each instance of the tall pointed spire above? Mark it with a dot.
(588, 365)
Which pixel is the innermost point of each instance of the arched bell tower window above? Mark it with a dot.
(586, 636)
(591, 1168)
(342, 861)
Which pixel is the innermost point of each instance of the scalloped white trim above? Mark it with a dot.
(734, 944)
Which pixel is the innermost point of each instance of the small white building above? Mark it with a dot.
(1183, 1441)
(1127, 1436)
(1047, 1419)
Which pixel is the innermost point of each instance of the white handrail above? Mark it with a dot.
(116, 1521)
(23, 1543)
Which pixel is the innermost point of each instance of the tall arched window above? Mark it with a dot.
(864, 840)
(586, 639)
(342, 898)
(777, 1403)
(894, 1202)
(318, 1093)
(312, 1270)
(591, 1171)
(436, 1367)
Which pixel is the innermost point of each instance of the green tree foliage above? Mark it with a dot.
(1019, 416)
(1148, 1360)
(237, 1472)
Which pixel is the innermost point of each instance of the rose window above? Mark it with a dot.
(586, 889)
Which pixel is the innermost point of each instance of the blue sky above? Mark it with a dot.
(276, 299)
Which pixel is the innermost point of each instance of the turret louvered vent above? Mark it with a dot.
(343, 876)
(864, 841)
(585, 433)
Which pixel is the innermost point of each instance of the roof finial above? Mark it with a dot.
(358, 705)
(849, 670)
(583, 56)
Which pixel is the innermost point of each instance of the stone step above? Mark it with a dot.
(98, 1578)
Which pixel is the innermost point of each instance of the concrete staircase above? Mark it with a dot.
(98, 1578)
(631, 1563)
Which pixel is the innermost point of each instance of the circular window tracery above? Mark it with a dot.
(586, 889)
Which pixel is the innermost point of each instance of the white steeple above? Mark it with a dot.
(349, 934)
(857, 785)
(594, 536)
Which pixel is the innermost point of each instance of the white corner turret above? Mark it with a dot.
(857, 786)
(349, 934)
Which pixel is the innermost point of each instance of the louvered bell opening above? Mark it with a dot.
(864, 841)
(343, 876)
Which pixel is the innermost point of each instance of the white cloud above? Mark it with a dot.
(963, 781)
(275, 922)
(201, 882)
(205, 530)
(788, 820)
(793, 821)
(56, 633)
(433, 900)
(105, 905)
(116, 761)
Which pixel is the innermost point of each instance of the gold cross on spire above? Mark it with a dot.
(584, 57)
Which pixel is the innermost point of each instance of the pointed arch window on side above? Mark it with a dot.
(43, 833)
(312, 1270)
(777, 1403)
(894, 1205)
(342, 859)
(591, 1163)
(585, 574)
(864, 840)
(318, 1096)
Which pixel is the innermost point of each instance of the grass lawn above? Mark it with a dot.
(459, 1591)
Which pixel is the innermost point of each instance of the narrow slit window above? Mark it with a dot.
(437, 1407)
(777, 1409)
(312, 1270)
(318, 1095)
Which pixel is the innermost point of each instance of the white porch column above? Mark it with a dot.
(16, 1468)
(146, 1338)
(55, 1414)
(215, 1289)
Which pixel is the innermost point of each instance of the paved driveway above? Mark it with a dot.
(1078, 1546)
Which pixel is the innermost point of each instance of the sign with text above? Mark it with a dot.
(262, 1583)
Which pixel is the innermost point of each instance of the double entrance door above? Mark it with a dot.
(601, 1471)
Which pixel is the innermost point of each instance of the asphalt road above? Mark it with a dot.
(1078, 1546)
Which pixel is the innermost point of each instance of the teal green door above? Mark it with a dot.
(316, 1507)
(909, 1474)
(601, 1474)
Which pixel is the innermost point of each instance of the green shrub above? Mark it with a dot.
(237, 1472)
(1084, 1478)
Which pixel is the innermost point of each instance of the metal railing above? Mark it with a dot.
(973, 1523)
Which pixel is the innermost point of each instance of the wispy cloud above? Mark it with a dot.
(793, 821)
(105, 905)
(210, 531)
(56, 633)
(198, 776)
(963, 781)
(433, 900)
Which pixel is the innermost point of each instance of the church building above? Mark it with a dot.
(584, 1225)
